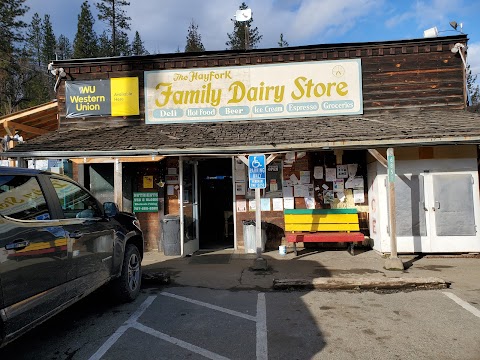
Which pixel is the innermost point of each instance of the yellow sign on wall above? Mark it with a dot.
(148, 182)
(124, 96)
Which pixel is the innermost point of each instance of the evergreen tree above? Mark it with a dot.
(104, 45)
(49, 42)
(112, 13)
(64, 48)
(137, 45)
(123, 44)
(35, 40)
(282, 43)
(472, 88)
(194, 39)
(236, 40)
(11, 54)
(85, 44)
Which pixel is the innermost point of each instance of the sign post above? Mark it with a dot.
(393, 263)
(257, 179)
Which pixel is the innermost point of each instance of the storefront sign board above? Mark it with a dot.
(306, 89)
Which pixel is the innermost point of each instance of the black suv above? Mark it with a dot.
(57, 245)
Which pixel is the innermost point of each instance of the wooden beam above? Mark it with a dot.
(26, 128)
(9, 131)
(110, 160)
(379, 157)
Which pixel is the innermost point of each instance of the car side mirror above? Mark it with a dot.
(110, 209)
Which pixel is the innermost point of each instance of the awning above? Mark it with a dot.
(32, 122)
(390, 129)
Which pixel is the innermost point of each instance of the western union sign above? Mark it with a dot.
(307, 89)
(113, 97)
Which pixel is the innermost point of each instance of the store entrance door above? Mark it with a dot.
(216, 203)
(189, 226)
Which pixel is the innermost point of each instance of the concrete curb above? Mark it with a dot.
(361, 283)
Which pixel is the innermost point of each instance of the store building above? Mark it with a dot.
(166, 135)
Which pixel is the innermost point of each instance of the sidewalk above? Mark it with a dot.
(326, 270)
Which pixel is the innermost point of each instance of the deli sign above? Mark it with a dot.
(308, 89)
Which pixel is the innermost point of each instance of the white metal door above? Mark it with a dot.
(188, 199)
(452, 212)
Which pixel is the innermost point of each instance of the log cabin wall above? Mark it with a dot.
(397, 75)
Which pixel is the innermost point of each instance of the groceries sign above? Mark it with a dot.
(307, 89)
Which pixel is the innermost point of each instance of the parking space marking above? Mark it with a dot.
(121, 330)
(262, 343)
(463, 304)
(260, 319)
(178, 342)
(210, 306)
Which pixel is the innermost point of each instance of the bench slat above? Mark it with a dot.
(322, 227)
(322, 219)
(325, 237)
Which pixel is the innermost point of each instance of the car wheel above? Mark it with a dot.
(128, 284)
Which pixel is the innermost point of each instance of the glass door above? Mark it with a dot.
(188, 206)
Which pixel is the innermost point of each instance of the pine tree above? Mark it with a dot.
(137, 45)
(194, 39)
(236, 40)
(34, 40)
(112, 13)
(11, 54)
(123, 44)
(49, 42)
(85, 44)
(472, 88)
(282, 43)
(64, 48)
(104, 45)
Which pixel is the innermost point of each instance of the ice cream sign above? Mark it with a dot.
(322, 88)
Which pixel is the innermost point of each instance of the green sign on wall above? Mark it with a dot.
(145, 202)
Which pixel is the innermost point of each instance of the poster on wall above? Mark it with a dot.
(254, 92)
(239, 188)
(241, 205)
(145, 202)
(110, 97)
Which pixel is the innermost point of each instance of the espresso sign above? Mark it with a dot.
(322, 88)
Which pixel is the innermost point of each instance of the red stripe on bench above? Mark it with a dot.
(326, 237)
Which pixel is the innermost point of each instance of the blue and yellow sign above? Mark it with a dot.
(113, 97)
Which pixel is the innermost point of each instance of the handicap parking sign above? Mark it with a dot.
(257, 172)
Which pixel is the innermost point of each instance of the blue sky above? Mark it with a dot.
(163, 24)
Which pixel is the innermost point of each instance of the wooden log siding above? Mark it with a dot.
(399, 75)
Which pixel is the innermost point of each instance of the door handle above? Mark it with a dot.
(75, 235)
(17, 245)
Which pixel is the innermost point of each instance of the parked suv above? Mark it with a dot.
(57, 245)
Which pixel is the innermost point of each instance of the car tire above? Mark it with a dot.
(127, 286)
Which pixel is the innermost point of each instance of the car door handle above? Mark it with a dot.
(75, 235)
(17, 245)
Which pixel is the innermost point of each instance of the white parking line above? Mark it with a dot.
(178, 342)
(260, 320)
(121, 330)
(463, 304)
(262, 341)
(210, 306)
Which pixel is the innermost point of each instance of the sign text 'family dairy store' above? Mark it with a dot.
(254, 92)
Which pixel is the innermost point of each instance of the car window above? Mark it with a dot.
(21, 197)
(75, 201)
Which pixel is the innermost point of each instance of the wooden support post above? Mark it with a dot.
(117, 184)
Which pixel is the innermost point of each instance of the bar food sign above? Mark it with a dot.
(322, 88)
(113, 97)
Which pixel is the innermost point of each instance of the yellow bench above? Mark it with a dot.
(322, 225)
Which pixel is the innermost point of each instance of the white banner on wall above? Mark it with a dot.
(307, 89)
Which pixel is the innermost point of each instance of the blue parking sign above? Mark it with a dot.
(257, 172)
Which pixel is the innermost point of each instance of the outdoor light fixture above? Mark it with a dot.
(59, 73)
(459, 48)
